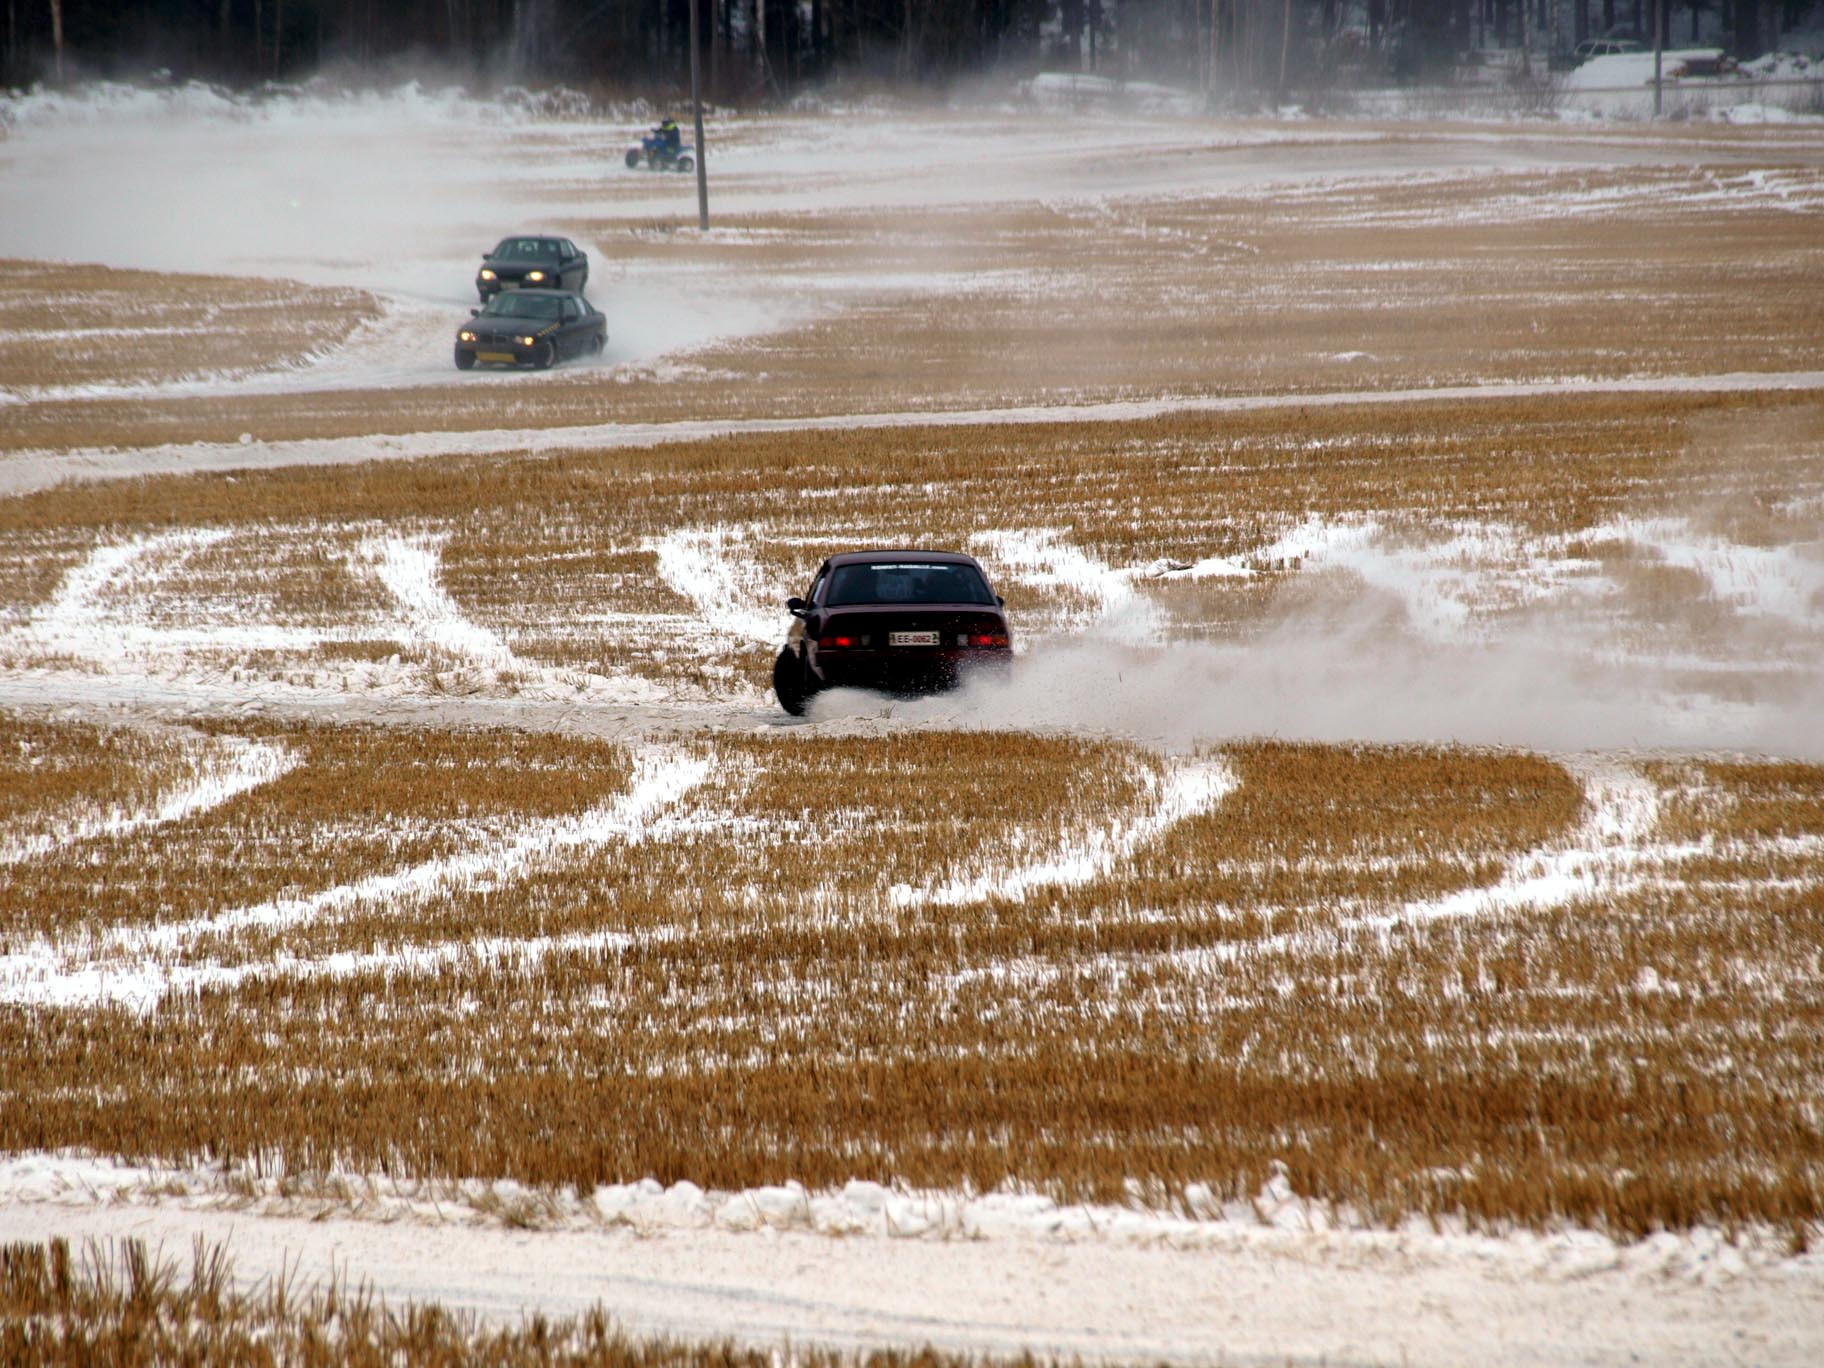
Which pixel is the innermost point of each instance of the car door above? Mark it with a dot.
(795, 637)
(567, 327)
(575, 327)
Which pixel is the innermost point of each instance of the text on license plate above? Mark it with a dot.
(911, 638)
(494, 356)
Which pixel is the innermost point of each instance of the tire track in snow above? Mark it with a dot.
(1605, 851)
(410, 570)
(226, 768)
(731, 596)
(1609, 850)
(1041, 558)
(133, 968)
(1186, 790)
(77, 622)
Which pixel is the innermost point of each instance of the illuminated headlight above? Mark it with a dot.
(466, 335)
(525, 341)
(486, 274)
(535, 275)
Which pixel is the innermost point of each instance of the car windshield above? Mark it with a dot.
(512, 304)
(525, 249)
(907, 582)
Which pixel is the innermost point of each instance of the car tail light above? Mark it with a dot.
(840, 641)
(982, 641)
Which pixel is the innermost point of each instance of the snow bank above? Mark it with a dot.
(1274, 1218)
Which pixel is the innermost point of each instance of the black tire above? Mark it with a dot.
(465, 360)
(544, 355)
(633, 157)
(598, 344)
(686, 164)
(788, 683)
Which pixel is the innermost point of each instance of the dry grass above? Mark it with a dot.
(752, 1002)
(558, 555)
(360, 801)
(47, 772)
(118, 1306)
(1336, 287)
(73, 325)
(767, 983)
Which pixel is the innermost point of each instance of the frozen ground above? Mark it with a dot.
(391, 194)
(400, 193)
(1270, 1285)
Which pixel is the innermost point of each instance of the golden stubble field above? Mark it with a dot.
(1501, 987)
(270, 929)
(1439, 279)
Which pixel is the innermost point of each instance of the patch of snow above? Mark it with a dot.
(410, 569)
(731, 593)
(1042, 558)
(226, 767)
(138, 967)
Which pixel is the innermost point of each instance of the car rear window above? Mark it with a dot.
(907, 582)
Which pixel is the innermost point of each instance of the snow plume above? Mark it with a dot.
(1640, 632)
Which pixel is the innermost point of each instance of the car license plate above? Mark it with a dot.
(911, 638)
(494, 356)
(509, 284)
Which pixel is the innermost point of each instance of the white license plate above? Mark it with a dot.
(911, 638)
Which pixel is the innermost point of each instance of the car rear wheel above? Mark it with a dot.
(465, 360)
(788, 683)
(597, 345)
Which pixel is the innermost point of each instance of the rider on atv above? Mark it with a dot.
(669, 138)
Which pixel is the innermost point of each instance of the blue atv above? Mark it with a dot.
(662, 154)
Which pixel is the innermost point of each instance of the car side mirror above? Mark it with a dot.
(999, 602)
(474, 313)
(795, 605)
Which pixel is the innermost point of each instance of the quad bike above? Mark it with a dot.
(661, 156)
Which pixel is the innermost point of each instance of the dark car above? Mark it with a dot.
(530, 328)
(532, 262)
(902, 621)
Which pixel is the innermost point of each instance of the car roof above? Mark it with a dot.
(900, 554)
(551, 238)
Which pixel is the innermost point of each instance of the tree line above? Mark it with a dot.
(773, 48)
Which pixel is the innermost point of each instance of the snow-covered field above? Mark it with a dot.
(1617, 614)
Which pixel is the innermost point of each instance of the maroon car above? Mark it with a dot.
(902, 621)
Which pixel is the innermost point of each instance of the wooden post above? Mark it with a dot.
(696, 109)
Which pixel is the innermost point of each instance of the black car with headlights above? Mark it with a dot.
(530, 328)
(532, 262)
(899, 621)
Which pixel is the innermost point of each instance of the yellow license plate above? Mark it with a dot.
(495, 356)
